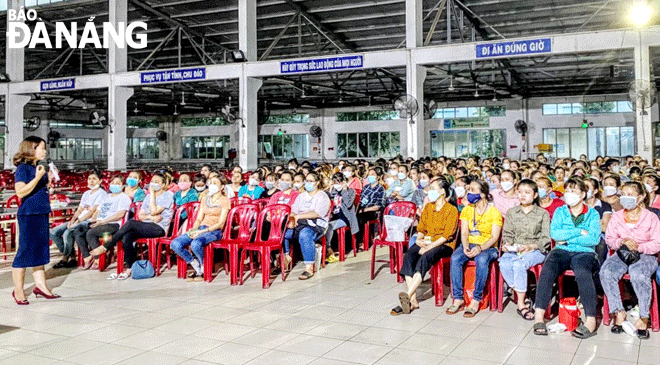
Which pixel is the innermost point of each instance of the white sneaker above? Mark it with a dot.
(197, 266)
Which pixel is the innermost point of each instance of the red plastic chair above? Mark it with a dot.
(654, 316)
(261, 203)
(161, 242)
(399, 209)
(341, 233)
(439, 272)
(181, 265)
(13, 202)
(135, 208)
(235, 201)
(243, 217)
(278, 215)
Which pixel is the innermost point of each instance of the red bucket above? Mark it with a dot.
(468, 288)
(569, 313)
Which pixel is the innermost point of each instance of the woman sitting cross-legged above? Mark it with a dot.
(481, 225)
(206, 229)
(525, 241)
(155, 217)
(343, 214)
(434, 240)
(576, 230)
(634, 233)
(105, 222)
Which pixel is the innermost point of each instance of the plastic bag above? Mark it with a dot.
(569, 313)
(397, 227)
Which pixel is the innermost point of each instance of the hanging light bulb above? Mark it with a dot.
(495, 96)
(476, 93)
(136, 108)
(451, 84)
(640, 13)
(183, 98)
(176, 112)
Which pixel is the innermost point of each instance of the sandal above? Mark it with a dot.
(617, 329)
(469, 312)
(396, 311)
(643, 334)
(332, 259)
(404, 300)
(123, 276)
(191, 276)
(455, 309)
(112, 276)
(540, 329)
(582, 332)
(304, 276)
(526, 313)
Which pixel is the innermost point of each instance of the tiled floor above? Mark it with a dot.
(337, 317)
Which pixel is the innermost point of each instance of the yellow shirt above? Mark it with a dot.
(484, 223)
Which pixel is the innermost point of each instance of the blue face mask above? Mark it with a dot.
(309, 186)
(115, 189)
(132, 182)
(542, 193)
(492, 186)
(473, 198)
(433, 195)
(371, 179)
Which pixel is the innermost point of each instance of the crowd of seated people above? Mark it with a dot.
(597, 218)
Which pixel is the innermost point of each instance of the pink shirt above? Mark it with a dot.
(502, 203)
(355, 184)
(646, 232)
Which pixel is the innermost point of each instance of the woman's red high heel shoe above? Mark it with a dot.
(19, 302)
(37, 292)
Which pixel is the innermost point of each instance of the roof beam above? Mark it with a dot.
(175, 23)
(337, 39)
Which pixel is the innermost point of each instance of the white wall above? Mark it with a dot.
(516, 109)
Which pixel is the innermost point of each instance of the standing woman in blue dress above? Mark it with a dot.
(32, 188)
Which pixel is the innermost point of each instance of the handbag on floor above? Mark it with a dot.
(142, 269)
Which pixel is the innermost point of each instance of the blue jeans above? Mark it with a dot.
(482, 260)
(63, 238)
(196, 245)
(306, 238)
(332, 227)
(514, 268)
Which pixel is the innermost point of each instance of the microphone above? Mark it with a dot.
(53, 170)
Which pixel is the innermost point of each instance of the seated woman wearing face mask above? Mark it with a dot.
(206, 229)
(252, 190)
(155, 217)
(419, 196)
(372, 200)
(460, 189)
(133, 189)
(611, 185)
(506, 198)
(634, 235)
(435, 239)
(576, 230)
(343, 214)
(545, 200)
(525, 241)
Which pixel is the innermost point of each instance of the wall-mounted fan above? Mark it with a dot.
(32, 124)
(315, 131)
(53, 137)
(430, 107)
(161, 135)
(228, 115)
(521, 127)
(407, 106)
(642, 94)
(98, 120)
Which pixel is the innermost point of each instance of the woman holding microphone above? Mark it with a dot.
(32, 188)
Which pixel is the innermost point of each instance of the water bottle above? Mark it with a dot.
(629, 328)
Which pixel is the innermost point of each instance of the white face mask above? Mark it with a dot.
(297, 185)
(401, 175)
(338, 187)
(393, 172)
(460, 191)
(389, 180)
(609, 191)
(616, 169)
(648, 187)
(253, 182)
(590, 194)
(213, 189)
(348, 174)
(506, 166)
(571, 199)
(506, 185)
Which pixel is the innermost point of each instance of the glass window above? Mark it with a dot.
(448, 113)
(395, 144)
(549, 109)
(142, 123)
(624, 107)
(577, 108)
(201, 122)
(596, 142)
(550, 137)
(341, 145)
(627, 141)
(384, 139)
(77, 149)
(495, 111)
(613, 141)
(363, 149)
(563, 142)
(578, 142)
(367, 116)
(462, 143)
(449, 143)
(351, 145)
(373, 144)
(474, 112)
(288, 118)
(461, 112)
(609, 107)
(564, 109)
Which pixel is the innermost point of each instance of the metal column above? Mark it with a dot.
(247, 86)
(643, 114)
(415, 76)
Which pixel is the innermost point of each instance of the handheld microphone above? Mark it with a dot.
(53, 170)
